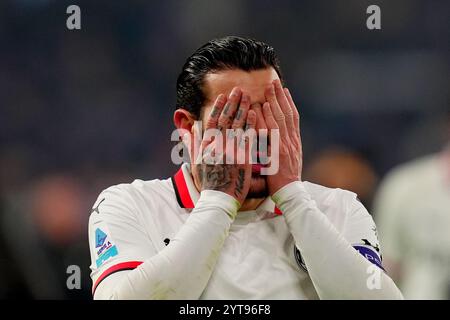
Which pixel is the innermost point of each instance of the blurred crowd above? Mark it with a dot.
(83, 110)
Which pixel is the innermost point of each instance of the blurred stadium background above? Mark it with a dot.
(82, 110)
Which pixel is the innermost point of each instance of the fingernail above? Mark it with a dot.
(277, 83)
(235, 92)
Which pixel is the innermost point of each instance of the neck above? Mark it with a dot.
(251, 204)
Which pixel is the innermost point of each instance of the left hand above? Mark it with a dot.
(281, 113)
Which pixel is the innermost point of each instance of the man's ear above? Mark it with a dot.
(183, 119)
(184, 122)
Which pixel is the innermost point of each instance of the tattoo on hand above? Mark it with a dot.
(240, 183)
(239, 114)
(226, 109)
(214, 112)
(215, 177)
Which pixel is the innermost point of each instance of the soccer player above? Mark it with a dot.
(413, 211)
(225, 231)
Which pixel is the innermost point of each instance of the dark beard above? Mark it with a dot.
(258, 187)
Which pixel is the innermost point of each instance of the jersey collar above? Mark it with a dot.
(188, 195)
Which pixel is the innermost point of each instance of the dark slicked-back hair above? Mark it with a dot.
(220, 54)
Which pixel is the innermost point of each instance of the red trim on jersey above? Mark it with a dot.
(277, 211)
(118, 267)
(182, 191)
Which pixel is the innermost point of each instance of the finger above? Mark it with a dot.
(260, 122)
(216, 111)
(250, 123)
(285, 107)
(270, 120)
(277, 113)
(238, 122)
(296, 115)
(241, 114)
(250, 134)
(268, 116)
(206, 149)
(226, 117)
(251, 120)
(262, 133)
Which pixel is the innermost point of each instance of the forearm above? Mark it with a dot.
(183, 268)
(336, 269)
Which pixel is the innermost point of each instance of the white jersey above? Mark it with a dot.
(132, 225)
(413, 213)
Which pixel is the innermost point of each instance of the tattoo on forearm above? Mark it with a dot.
(239, 183)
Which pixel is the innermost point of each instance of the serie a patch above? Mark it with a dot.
(104, 246)
(370, 254)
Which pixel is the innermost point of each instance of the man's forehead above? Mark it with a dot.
(251, 82)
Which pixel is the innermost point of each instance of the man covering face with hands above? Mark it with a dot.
(236, 221)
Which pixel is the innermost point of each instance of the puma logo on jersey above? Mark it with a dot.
(95, 209)
(299, 259)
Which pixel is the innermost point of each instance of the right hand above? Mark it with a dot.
(233, 179)
(280, 113)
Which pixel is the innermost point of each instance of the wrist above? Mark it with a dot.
(219, 200)
(277, 187)
(291, 190)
